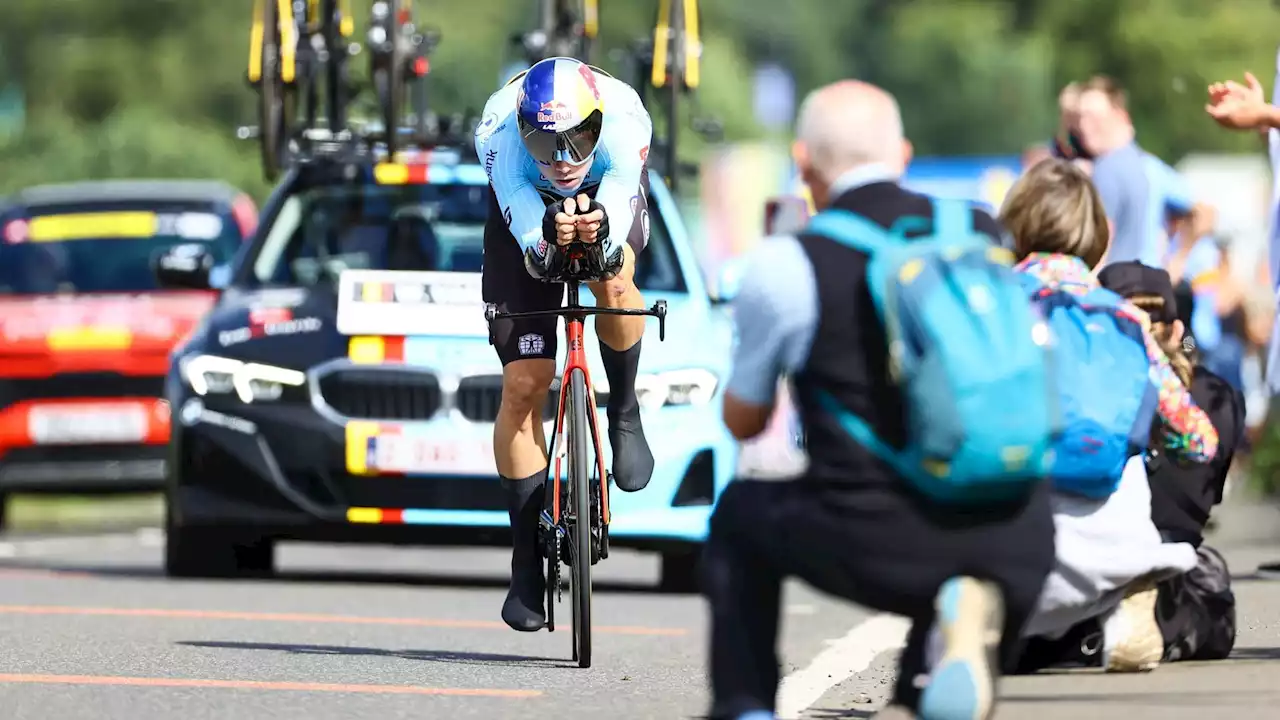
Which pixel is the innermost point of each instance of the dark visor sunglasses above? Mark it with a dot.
(573, 146)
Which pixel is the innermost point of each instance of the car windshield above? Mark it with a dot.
(103, 247)
(321, 231)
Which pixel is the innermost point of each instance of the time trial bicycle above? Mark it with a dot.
(576, 516)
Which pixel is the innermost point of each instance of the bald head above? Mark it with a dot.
(846, 125)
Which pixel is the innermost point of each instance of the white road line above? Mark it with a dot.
(843, 658)
(78, 543)
(150, 537)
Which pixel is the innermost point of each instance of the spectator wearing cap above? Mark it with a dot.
(1182, 496)
(1196, 609)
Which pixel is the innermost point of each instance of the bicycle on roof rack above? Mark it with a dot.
(574, 524)
(666, 66)
(565, 28)
(298, 46)
(399, 63)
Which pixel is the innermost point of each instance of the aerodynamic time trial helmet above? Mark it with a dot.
(560, 111)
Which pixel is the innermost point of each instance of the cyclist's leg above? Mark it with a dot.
(620, 354)
(527, 349)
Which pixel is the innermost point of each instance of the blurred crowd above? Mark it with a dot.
(1228, 311)
(1101, 559)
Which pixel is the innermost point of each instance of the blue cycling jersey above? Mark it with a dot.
(518, 181)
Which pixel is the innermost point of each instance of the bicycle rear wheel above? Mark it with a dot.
(272, 121)
(579, 479)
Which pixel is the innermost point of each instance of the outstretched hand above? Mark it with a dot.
(1239, 107)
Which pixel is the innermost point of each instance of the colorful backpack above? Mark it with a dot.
(965, 351)
(1105, 393)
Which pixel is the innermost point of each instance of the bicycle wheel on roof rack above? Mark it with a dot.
(562, 18)
(335, 26)
(590, 30)
(273, 109)
(675, 81)
(389, 85)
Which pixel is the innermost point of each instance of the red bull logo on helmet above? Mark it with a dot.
(554, 113)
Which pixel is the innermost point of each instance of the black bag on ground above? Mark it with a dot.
(1196, 610)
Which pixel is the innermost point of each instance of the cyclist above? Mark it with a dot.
(561, 169)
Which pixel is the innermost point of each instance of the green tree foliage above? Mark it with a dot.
(156, 87)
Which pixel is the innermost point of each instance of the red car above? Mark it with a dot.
(85, 332)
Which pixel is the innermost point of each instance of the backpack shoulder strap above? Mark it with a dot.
(952, 218)
(850, 230)
(862, 432)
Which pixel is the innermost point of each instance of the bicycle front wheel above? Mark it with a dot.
(580, 479)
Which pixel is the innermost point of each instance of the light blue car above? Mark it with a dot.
(357, 400)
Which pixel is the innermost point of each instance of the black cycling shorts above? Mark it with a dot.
(506, 283)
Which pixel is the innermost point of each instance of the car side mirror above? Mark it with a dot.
(728, 280)
(185, 267)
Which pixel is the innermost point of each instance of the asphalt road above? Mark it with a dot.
(92, 630)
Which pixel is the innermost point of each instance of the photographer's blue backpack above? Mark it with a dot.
(965, 350)
(1107, 398)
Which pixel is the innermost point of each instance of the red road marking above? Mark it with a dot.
(39, 679)
(302, 618)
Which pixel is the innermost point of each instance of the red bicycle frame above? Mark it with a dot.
(576, 359)
(575, 316)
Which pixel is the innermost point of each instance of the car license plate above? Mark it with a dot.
(87, 424)
(413, 454)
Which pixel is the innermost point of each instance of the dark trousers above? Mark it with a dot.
(879, 548)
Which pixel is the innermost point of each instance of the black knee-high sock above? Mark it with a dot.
(632, 459)
(621, 367)
(523, 609)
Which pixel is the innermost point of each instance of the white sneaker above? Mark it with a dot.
(1131, 639)
(970, 619)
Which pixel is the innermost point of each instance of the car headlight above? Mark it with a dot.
(675, 387)
(213, 375)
